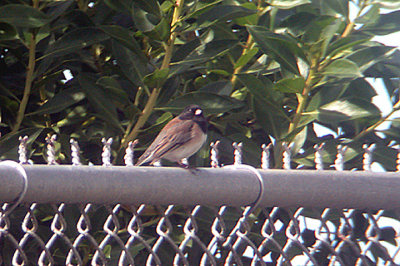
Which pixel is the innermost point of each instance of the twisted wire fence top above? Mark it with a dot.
(186, 233)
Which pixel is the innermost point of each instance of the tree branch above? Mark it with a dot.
(151, 102)
(249, 44)
(350, 27)
(303, 97)
(29, 78)
(368, 130)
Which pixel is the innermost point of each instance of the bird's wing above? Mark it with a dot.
(167, 140)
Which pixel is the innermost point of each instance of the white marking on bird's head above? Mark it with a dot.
(198, 112)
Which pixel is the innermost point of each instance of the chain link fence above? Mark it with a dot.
(129, 233)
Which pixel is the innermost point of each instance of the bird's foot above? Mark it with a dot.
(185, 164)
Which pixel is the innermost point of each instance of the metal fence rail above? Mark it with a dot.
(233, 186)
(238, 215)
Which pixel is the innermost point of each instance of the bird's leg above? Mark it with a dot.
(184, 163)
(157, 163)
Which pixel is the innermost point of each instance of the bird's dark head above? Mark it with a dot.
(195, 113)
(192, 112)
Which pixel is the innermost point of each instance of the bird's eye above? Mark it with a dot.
(197, 112)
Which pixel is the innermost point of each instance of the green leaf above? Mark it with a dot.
(393, 132)
(299, 140)
(328, 157)
(129, 63)
(346, 43)
(108, 82)
(267, 118)
(333, 7)
(342, 68)
(388, 4)
(144, 21)
(166, 6)
(321, 31)
(158, 125)
(124, 36)
(58, 8)
(184, 50)
(245, 58)
(287, 4)
(161, 31)
(210, 102)
(326, 94)
(223, 13)
(248, 20)
(361, 88)
(283, 49)
(208, 51)
(107, 251)
(367, 57)
(23, 16)
(75, 117)
(7, 32)
(388, 67)
(371, 17)
(76, 40)
(120, 5)
(114, 90)
(9, 142)
(290, 85)
(386, 24)
(42, 33)
(60, 102)
(266, 107)
(257, 88)
(350, 109)
(157, 78)
(298, 22)
(391, 86)
(105, 109)
(316, 28)
(150, 6)
(384, 155)
(221, 87)
(202, 7)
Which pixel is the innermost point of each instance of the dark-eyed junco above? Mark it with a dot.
(182, 137)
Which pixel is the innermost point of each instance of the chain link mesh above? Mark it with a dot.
(197, 235)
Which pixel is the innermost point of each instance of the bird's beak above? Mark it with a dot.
(198, 112)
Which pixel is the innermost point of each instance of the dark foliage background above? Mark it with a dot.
(261, 70)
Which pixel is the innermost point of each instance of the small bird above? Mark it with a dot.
(182, 137)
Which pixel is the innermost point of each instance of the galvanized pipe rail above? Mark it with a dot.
(205, 186)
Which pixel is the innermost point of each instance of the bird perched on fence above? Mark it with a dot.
(182, 137)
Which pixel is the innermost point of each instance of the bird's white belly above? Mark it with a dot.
(187, 150)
